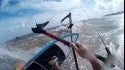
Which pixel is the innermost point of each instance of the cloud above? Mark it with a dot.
(4, 4)
(104, 1)
(109, 6)
(55, 5)
(17, 7)
(60, 5)
(27, 8)
(11, 8)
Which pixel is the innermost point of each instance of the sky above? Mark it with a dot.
(25, 8)
(18, 16)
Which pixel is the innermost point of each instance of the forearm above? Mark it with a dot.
(84, 52)
(95, 63)
(56, 67)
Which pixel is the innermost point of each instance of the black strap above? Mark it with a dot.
(70, 27)
(74, 54)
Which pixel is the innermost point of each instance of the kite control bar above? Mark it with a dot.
(39, 29)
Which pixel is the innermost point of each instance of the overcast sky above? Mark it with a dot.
(20, 15)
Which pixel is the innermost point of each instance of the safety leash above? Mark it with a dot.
(70, 28)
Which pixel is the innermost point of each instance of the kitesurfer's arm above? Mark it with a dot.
(56, 67)
(20, 66)
(54, 63)
(84, 52)
(95, 64)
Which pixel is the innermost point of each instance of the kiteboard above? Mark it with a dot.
(41, 60)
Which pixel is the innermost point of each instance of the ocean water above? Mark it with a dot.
(111, 28)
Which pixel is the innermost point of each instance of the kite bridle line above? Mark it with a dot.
(96, 29)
